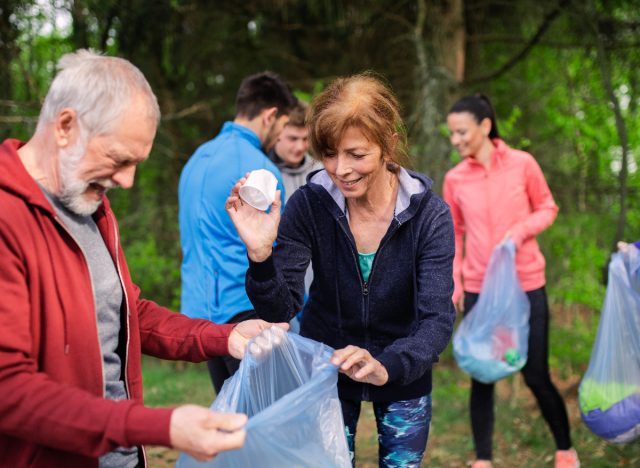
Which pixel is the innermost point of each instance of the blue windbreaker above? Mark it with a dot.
(214, 258)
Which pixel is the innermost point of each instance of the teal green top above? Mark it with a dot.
(366, 260)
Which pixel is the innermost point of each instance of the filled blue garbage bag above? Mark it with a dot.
(491, 341)
(286, 385)
(609, 393)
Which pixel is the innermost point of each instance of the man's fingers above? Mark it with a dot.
(281, 325)
(226, 421)
(222, 441)
(216, 442)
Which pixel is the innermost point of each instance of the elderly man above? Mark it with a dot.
(72, 324)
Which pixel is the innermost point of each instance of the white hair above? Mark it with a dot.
(98, 88)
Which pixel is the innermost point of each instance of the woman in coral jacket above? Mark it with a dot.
(495, 193)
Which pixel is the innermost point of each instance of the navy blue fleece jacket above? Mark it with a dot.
(403, 314)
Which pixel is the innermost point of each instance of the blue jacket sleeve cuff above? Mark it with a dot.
(393, 364)
(262, 271)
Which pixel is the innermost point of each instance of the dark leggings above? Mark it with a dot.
(221, 368)
(536, 376)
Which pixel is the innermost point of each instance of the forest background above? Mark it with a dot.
(564, 76)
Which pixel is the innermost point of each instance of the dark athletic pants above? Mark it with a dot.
(536, 376)
(221, 368)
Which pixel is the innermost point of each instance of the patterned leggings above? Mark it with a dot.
(403, 430)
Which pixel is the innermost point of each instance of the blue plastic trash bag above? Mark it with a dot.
(609, 393)
(286, 384)
(492, 339)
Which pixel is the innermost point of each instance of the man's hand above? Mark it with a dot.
(359, 365)
(246, 330)
(203, 434)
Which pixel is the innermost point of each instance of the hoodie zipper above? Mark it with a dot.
(126, 304)
(125, 377)
(365, 286)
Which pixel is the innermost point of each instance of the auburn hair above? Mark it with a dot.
(362, 101)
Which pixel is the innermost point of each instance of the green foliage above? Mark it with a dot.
(157, 273)
(576, 255)
(174, 383)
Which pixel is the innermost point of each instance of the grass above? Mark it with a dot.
(521, 437)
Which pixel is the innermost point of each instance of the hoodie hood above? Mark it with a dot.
(308, 164)
(15, 179)
(413, 187)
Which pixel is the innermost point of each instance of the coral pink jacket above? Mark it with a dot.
(511, 196)
(52, 409)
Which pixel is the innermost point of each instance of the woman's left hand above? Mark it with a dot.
(257, 229)
(359, 365)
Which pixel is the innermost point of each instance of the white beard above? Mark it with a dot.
(72, 188)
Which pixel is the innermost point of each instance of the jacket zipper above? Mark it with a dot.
(365, 287)
(93, 295)
(487, 191)
(126, 305)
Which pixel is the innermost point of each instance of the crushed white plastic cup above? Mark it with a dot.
(259, 190)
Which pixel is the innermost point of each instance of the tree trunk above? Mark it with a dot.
(604, 64)
(440, 53)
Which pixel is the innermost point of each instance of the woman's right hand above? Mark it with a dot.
(257, 229)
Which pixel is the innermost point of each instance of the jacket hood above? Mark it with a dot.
(15, 179)
(413, 187)
(307, 164)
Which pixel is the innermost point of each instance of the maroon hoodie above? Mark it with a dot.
(52, 410)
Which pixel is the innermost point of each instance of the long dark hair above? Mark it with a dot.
(480, 107)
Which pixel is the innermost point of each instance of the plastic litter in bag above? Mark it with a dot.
(286, 385)
(492, 339)
(609, 394)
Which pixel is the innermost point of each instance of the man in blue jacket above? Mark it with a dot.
(214, 258)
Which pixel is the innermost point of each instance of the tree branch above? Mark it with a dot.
(546, 22)
(508, 39)
(193, 109)
(13, 119)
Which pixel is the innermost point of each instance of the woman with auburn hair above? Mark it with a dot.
(381, 245)
(496, 193)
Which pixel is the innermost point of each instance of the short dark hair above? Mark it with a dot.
(263, 91)
(480, 107)
(298, 115)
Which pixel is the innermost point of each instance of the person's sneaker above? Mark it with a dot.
(567, 459)
(482, 464)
